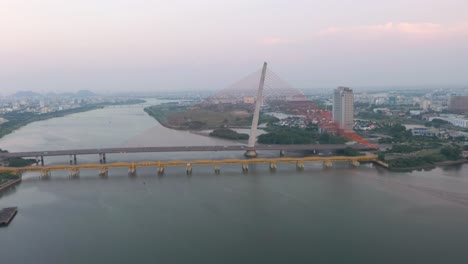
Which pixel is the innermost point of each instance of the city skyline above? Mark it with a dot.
(116, 46)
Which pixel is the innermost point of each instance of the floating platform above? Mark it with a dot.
(7, 214)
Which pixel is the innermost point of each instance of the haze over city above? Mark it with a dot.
(135, 45)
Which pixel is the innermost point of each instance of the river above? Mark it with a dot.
(338, 215)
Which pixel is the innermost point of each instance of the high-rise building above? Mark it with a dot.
(343, 107)
(458, 104)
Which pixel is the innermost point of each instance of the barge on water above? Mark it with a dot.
(7, 214)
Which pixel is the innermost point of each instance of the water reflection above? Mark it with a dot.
(337, 215)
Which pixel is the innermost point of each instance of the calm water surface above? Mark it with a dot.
(339, 215)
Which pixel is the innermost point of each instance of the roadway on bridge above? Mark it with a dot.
(318, 147)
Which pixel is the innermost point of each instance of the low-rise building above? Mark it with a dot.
(456, 120)
(422, 131)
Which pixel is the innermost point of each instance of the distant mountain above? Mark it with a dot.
(26, 94)
(85, 93)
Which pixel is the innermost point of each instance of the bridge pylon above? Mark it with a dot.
(251, 153)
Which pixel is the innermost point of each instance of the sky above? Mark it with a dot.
(144, 45)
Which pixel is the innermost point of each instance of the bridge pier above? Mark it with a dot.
(217, 168)
(272, 166)
(327, 164)
(355, 163)
(74, 159)
(251, 154)
(71, 159)
(37, 161)
(103, 172)
(45, 174)
(188, 169)
(245, 167)
(102, 158)
(132, 170)
(282, 152)
(300, 165)
(74, 173)
(160, 170)
(42, 161)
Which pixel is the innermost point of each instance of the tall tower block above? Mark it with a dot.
(343, 107)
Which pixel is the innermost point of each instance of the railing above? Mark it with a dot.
(74, 169)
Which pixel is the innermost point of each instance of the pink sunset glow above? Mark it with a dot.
(146, 45)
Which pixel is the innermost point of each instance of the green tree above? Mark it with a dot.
(452, 152)
(381, 156)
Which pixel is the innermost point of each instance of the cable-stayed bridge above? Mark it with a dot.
(262, 88)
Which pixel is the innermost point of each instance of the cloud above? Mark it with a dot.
(270, 41)
(402, 28)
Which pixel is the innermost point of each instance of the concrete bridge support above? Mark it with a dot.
(272, 166)
(188, 169)
(45, 174)
(160, 170)
(132, 170)
(103, 172)
(74, 173)
(300, 165)
(73, 159)
(355, 163)
(217, 169)
(37, 161)
(282, 152)
(245, 167)
(327, 164)
(102, 158)
(42, 161)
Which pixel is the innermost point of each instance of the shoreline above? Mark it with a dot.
(63, 113)
(430, 166)
(206, 134)
(8, 184)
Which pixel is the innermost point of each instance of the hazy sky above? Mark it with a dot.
(120, 45)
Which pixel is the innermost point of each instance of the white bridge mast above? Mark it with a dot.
(256, 115)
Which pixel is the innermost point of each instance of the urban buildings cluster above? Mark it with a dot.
(450, 106)
(29, 102)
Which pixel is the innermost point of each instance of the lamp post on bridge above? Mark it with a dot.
(251, 153)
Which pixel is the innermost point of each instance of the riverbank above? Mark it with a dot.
(184, 117)
(8, 184)
(451, 162)
(430, 166)
(18, 120)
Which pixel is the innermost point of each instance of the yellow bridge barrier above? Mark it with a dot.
(131, 166)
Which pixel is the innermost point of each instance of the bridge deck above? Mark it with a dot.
(189, 163)
(317, 147)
